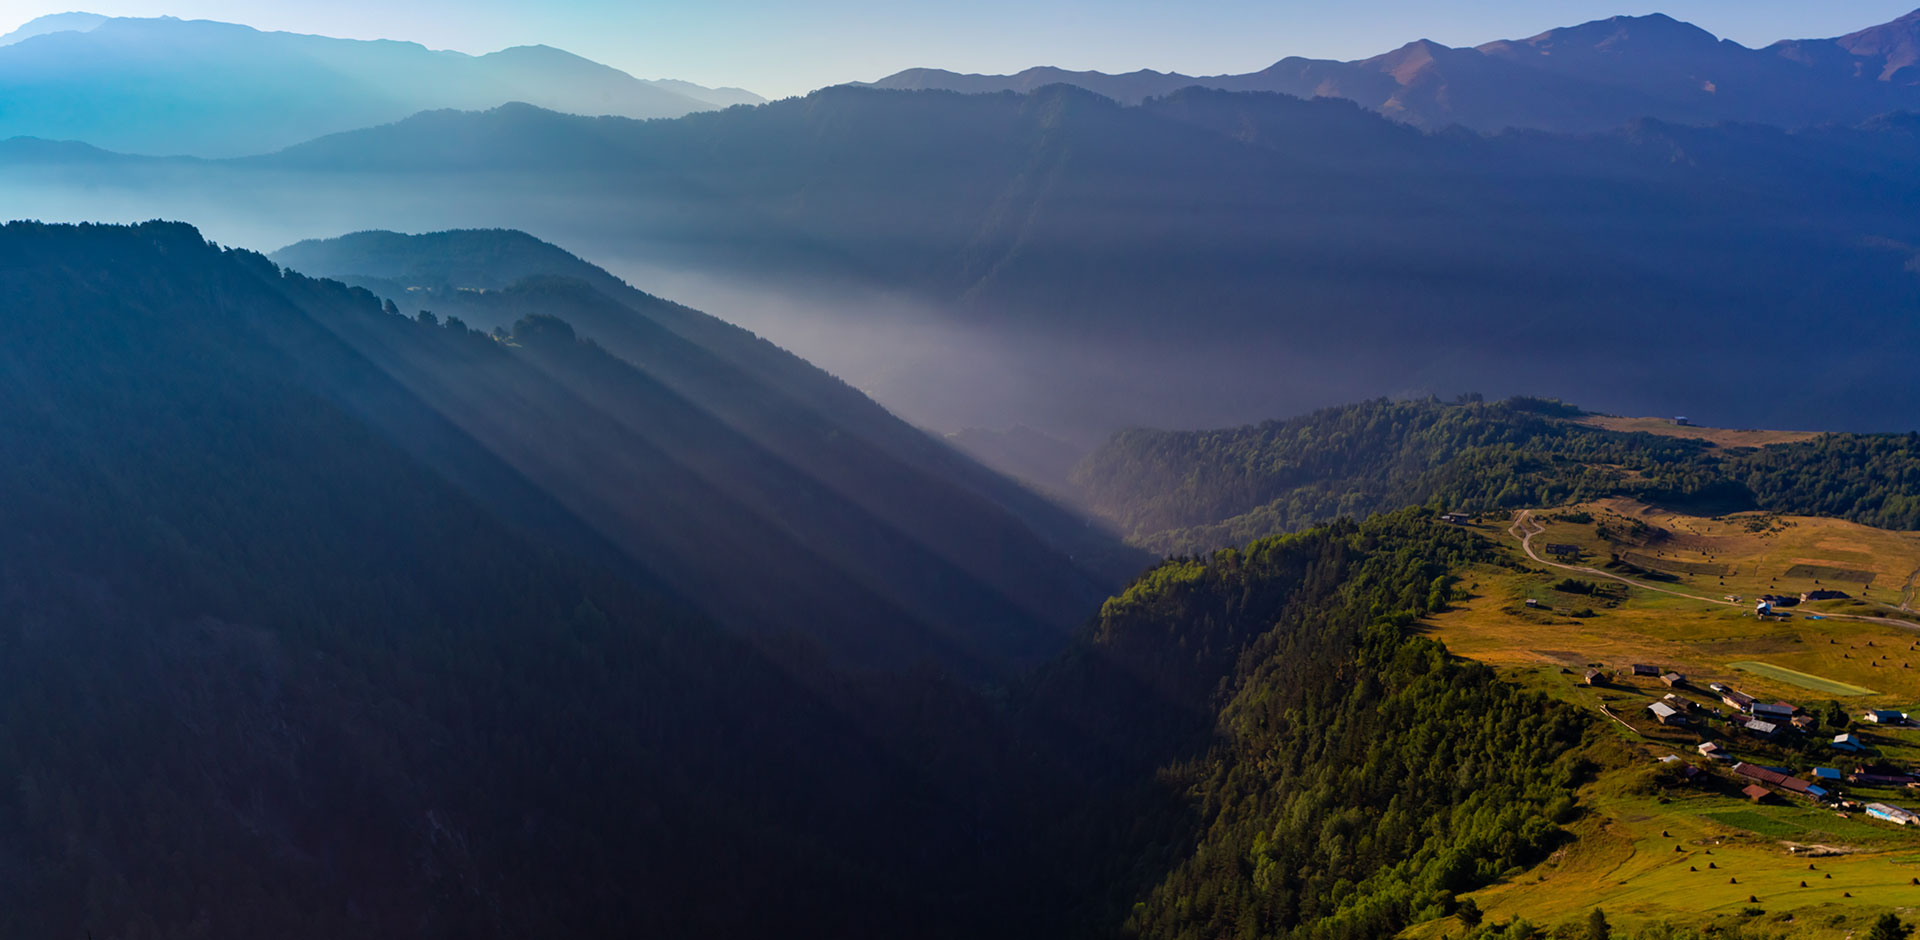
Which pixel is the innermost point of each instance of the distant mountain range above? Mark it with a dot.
(170, 86)
(1064, 262)
(1591, 77)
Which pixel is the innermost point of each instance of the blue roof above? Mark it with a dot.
(1816, 791)
(1826, 773)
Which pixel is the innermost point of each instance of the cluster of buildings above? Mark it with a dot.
(1766, 721)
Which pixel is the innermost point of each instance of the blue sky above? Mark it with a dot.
(790, 47)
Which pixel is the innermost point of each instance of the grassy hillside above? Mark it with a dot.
(1652, 848)
(1719, 437)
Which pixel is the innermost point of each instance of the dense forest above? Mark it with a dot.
(293, 645)
(1193, 490)
(1360, 777)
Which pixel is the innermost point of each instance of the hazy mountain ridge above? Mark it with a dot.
(1585, 78)
(493, 278)
(169, 86)
(1315, 253)
(53, 23)
(700, 442)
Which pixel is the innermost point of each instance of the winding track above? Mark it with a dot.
(1524, 529)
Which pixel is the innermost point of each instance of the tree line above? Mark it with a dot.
(1191, 490)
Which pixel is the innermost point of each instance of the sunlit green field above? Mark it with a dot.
(1801, 679)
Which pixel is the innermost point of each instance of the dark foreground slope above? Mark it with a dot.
(278, 658)
(1192, 490)
(268, 668)
(1060, 261)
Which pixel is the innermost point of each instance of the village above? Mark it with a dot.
(1754, 679)
(1778, 750)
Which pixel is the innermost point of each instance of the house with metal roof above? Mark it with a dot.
(1892, 814)
(1848, 742)
(1776, 777)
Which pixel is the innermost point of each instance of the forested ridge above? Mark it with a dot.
(1187, 490)
(1359, 776)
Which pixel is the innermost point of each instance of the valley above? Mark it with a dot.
(457, 488)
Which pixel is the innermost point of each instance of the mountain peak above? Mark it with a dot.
(1895, 43)
(75, 22)
(1652, 30)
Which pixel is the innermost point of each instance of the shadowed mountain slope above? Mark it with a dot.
(287, 651)
(816, 424)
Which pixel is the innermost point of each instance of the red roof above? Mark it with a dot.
(1774, 777)
(1755, 792)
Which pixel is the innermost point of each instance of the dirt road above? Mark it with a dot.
(1524, 529)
